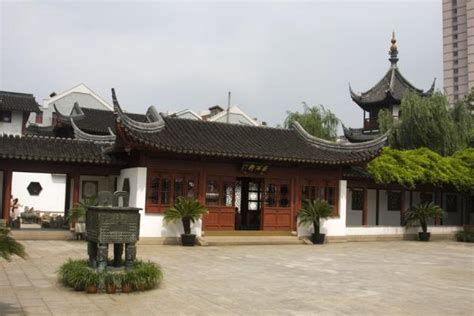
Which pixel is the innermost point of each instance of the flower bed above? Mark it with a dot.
(78, 275)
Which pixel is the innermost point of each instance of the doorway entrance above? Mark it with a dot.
(250, 212)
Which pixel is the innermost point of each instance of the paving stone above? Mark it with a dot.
(373, 278)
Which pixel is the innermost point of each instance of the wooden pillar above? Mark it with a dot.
(411, 198)
(440, 220)
(377, 198)
(402, 208)
(75, 189)
(439, 201)
(365, 208)
(7, 193)
(202, 185)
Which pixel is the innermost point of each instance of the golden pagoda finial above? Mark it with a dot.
(394, 42)
(393, 50)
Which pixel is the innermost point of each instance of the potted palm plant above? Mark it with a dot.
(312, 213)
(420, 214)
(188, 210)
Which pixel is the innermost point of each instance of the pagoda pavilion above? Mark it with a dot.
(386, 94)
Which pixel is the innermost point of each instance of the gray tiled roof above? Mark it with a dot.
(389, 90)
(14, 101)
(357, 135)
(42, 148)
(195, 137)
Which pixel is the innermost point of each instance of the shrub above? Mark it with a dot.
(465, 235)
(148, 273)
(78, 275)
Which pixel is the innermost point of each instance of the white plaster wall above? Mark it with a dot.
(151, 225)
(387, 218)
(14, 127)
(354, 217)
(333, 226)
(105, 183)
(388, 230)
(51, 199)
(372, 207)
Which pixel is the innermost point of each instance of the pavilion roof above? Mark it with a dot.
(390, 89)
(359, 135)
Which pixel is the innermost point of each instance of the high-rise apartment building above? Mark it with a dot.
(458, 48)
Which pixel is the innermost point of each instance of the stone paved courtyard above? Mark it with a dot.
(399, 277)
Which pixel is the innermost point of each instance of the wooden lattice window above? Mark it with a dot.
(451, 203)
(165, 187)
(277, 194)
(394, 200)
(426, 197)
(5, 116)
(220, 191)
(357, 199)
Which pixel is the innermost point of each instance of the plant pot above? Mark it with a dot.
(91, 289)
(126, 288)
(424, 236)
(110, 288)
(318, 238)
(79, 287)
(188, 240)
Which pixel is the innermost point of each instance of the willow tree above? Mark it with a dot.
(316, 120)
(429, 122)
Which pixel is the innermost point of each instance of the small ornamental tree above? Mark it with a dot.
(421, 213)
(186, 209)
(312, 212)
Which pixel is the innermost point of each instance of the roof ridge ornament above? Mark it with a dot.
(81, 135)
(376, 143)
(79, 114)
(393, 51)
(147, 127)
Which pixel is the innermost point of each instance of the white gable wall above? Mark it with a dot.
(15, 126)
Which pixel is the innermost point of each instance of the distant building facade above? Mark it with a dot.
(458, 48)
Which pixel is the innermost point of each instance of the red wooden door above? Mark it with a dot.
(277, 219)
(219, 218)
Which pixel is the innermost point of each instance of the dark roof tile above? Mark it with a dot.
(14, 101)
(53, 149)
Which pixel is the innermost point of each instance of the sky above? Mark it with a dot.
(272, 56)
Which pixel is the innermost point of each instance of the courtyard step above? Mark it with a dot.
(41, 234)
(251, 240)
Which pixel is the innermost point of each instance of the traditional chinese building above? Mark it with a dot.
(249, 177)
(386, 94)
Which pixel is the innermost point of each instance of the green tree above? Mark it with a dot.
(429, 122)
(316, 120)
(423, 166)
